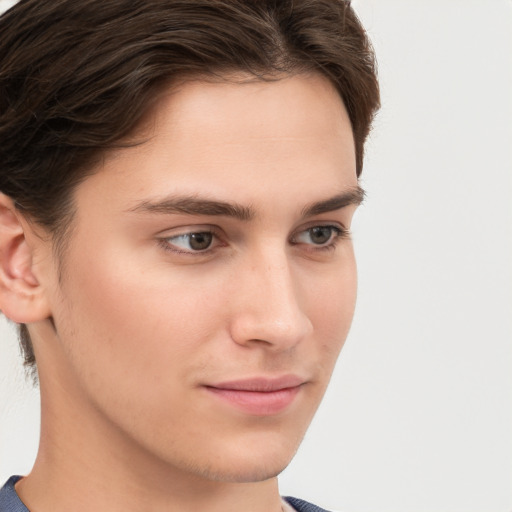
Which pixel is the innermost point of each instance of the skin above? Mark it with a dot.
(136, 324)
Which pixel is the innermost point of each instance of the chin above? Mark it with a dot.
(254, 460)
(246, 471)
(250, 458)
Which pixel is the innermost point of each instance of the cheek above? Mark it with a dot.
(125, 320)
(332, 307)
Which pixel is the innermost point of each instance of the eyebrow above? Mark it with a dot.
(193, 205)
(352, 196)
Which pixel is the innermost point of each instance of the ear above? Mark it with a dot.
(22, 298)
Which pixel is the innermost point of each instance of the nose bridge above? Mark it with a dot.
(269, 305)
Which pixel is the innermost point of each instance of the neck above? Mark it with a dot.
(85, 463)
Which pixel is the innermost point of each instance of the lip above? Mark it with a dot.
(258, 396)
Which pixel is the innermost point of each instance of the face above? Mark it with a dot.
(209, 281)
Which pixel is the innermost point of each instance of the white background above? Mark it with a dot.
(419, 414)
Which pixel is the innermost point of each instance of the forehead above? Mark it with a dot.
(241, 110)
(238, 138)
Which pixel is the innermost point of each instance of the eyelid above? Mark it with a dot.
(322, 224)
(185, 229)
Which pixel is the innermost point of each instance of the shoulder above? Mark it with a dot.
(303, 506)
(9, 500)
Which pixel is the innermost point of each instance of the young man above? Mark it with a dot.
(177, 184)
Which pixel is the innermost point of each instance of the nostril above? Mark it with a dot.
(265, 329)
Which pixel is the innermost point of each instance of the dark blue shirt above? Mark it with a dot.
(9, 500)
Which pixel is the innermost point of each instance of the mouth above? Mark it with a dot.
(258, 396)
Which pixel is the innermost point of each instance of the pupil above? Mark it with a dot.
(320, 234)
(200, 241)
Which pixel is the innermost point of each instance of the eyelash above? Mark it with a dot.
(339, 233)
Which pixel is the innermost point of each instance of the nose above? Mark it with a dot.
(268, 309)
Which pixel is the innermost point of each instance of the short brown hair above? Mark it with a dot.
(77, 77)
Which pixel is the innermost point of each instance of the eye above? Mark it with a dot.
(190, 242)
(322, 236)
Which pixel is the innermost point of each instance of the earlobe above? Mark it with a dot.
(22, 297)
